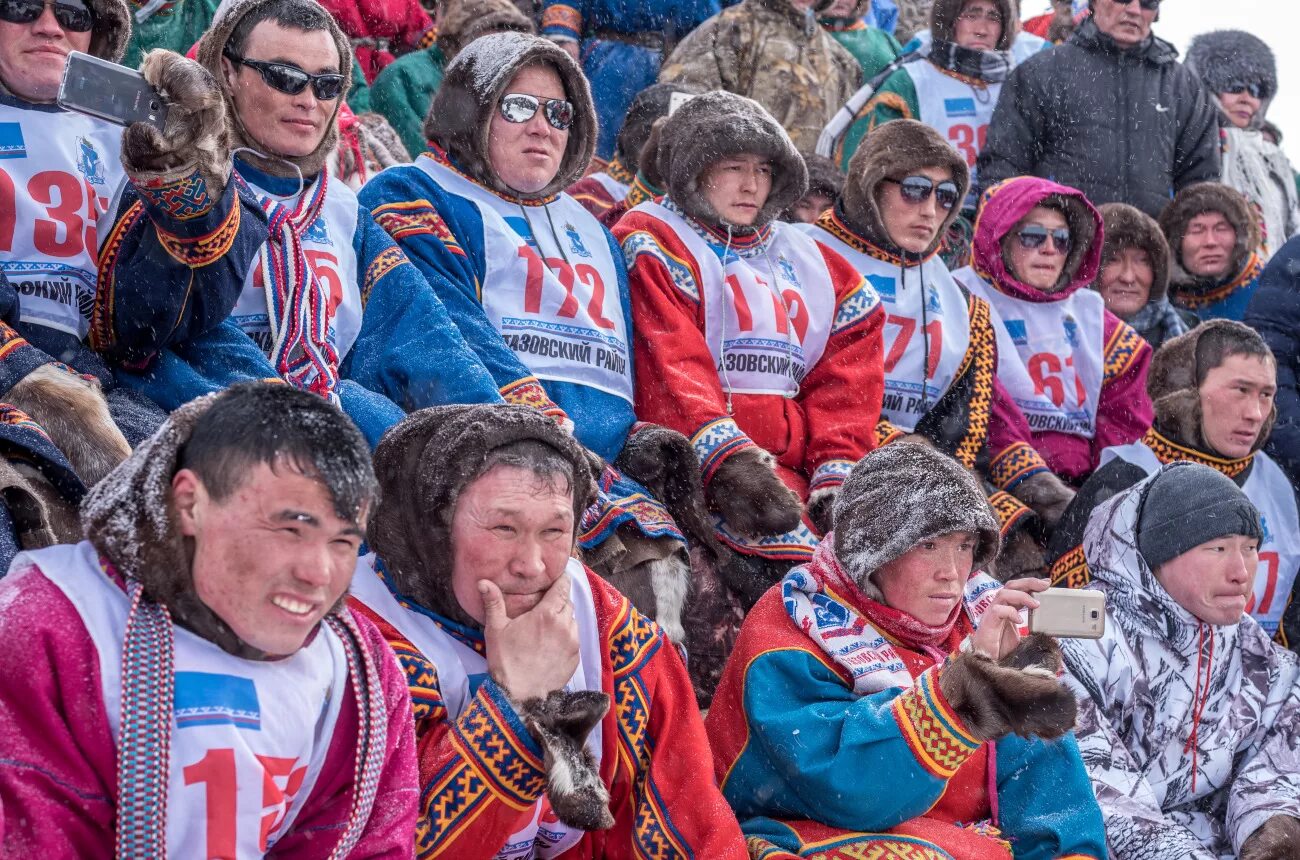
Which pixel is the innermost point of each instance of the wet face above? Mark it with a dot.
(912, 226)
(273, 557)
(737, 187)
(282, 124)
(1125, 281)
(32, 56)
(1039, 267)
(526, 156)
(514, 529)
(1213, 580)
(1207, 246)
(927, 581)
(1236, 400)
(1241, 107)
(809, 207)
(1127, 23)
(979, 25)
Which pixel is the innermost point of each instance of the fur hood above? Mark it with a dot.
(1127, 227)
(944, 14)
(718, 124)
(823, 177)
(211, 47)
(112, 30)
(463, 21)
(1002, 208)
(1196, 200)
(462, 109)
(649, 105)
(896, 150)
(422, 465)
(899, 495)
(1173, 383)
(1223, 58)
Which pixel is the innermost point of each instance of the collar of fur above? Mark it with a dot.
(461, 114)
(944, 15)
(1224, 58)
(897, 150)
(1197, 200)
(422, 465)
(1172, 387)
(714, 126)
(463, 21)
(1154, 50)
(211, 47)
(1002, 208)
(1129, 227)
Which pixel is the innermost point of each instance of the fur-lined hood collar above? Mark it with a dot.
(1196, 200)
(944, 15)
(461, 114)
(1002, 208)
(1129, 227)
(1224, 58)
(463, 21)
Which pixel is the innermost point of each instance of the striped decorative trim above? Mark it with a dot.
(641, 191)
(1168, 451)
(855, 307)
(1197, 300)
(933, 732)
(383, 263)
(886, 432)
(490, 736)
(831, 222)
(11, 341)
(685, 277)
(618, 172)
(1071, 570)
(1122, 351)
(1015, 463)
(831, 473)
(981, 358)
(15, 417)
(715, 442)
(1009, 510)
(561, 20)
(416, 218)
(184, 199)
(101, 317)
(422, 681)
(205, 249)
(889, 101)
(530, 392)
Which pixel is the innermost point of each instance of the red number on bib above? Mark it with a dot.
(1273, 562)
(63, 199)
(275, 797)
(216, 770)
(798, 314)
(532, 281)
(743, 314)
(8, 212)
(568, 307)
(968, 141)
(596, 308)
(324, 266)
(1047, 372)
(906, 328)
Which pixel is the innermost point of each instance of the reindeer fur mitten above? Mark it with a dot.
(74, 413)
(1047, 495)
(1019, 694)
(664, 462)
(561, 723)
(754, 501)
(1276, 839)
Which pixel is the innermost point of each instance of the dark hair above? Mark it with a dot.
(299, 14)
(547, 465)
(1222, 341)
(258, 422)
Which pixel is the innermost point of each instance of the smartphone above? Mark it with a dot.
(110, 92)
(676, 100)
(1069, 613)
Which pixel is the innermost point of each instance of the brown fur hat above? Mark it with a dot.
(112, 30)
(423, 463)
(716, 125)
(1197, 200)
(214, 43)
(899, 495)
(823, 176)
(1180, 366)
(461, 114)
(1127, 227)
(944, 15)
(896, 150)
(463, 21)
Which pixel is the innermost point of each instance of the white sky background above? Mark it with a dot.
(1277, 22)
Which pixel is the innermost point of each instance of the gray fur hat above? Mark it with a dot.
(461, 113)
(900, 495)
(716, 125)
(112, 30)
(1226, 58)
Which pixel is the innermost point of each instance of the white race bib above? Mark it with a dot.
(552, 292)
(1050, 356)
(59, 174)
(959, 111)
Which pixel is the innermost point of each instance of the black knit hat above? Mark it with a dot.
(1187, 505)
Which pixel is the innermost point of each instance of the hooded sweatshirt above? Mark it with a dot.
(1187, 729)
(1223, 297)
(1075, 369)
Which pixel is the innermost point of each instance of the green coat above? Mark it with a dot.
(872, 47)
(403, 91)
(176, 29)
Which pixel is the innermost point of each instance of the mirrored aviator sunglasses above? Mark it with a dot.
(917, 189)
(73, 16)
(521, 107)
(1035, 236)
(291, 80)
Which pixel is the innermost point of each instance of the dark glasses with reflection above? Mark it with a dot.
(1035, 236)
(917, 189)
(1256, 90)
(73, 16)
(521, 107)
(291, 80)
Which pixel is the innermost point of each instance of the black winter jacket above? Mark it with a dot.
(1274, 312)
(1121, 126)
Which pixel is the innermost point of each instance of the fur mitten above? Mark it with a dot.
(1021, 556)
(1047, 494)
(750, 496)
(74, 414)
(194, 136)
(664, 462)
(821, 508)
(561, 723)
(1018, 694)
(1276, 839)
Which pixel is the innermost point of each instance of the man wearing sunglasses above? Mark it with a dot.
(1111, 112)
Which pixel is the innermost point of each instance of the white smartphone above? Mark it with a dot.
(110, 92)
(1069, 613)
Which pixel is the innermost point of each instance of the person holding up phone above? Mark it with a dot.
(1189, 716)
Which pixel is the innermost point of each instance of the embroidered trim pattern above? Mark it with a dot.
(1197, 300)
(1167, 451)
(492, 740)
(888, 101)
(184, 199)
(832, 473)
(1071, 570)
(15, 417)
(1015, 463)
(1009, 510)
(561, 17)
(416, 218)
(10, 341)
(530, 392)
(981, 357)
(715, 442)
(617, 170)
(422, 680)
(641, 191)
(886, 432)
(1122, 352)
(855, 307)
(933, 732)
(205, 249)
(684, 276)
(101, 317)
(619, 501)
(831, 222)
(383, 263)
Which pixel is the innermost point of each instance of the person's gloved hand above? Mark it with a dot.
(754, 501)
(1019, 694)
(1276, 839)
(194, 136)
(821, 507)
(74, 414)
(1047, 495)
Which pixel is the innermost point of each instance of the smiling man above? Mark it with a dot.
(1213, 391)
(202, 691)
(1213, 232)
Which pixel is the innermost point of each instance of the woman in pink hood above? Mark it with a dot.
(1077, 371)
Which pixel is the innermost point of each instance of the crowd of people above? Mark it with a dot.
(459, 425)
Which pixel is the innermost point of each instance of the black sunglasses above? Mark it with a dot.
(1256, 90)
(521, 107)
(1149, 5)
(292, 80)
(917, 189)
(73, 16)
(1035, 236)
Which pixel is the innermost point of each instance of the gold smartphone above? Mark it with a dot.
(1069, 613)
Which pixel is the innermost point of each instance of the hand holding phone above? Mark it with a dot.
(1069, 613)
(110, 92)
